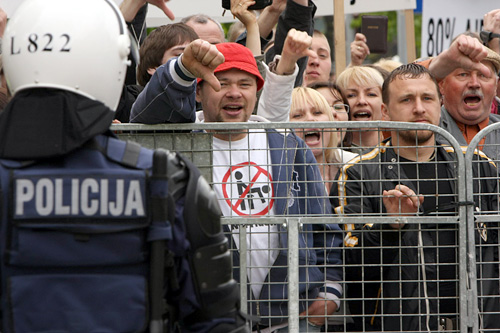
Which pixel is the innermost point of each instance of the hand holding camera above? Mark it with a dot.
(240, 9)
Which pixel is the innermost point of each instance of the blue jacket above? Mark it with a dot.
(300, 191)
(169, 97)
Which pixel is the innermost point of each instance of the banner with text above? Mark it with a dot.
(214, 8)
(325, 8)
(444, 20)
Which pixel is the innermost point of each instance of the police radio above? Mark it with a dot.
(259, 4)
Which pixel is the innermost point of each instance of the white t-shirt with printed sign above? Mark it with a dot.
(242, 178)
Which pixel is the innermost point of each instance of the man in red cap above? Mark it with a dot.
(259, 173)
(239, 78)
(168, 99)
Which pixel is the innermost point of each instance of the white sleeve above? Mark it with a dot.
(276, 98)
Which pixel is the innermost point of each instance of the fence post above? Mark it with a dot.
(293, 225)
(243, 268)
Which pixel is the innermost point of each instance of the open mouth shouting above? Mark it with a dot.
(233, 109)
(312, 137)
(472, 100)
(362, 115)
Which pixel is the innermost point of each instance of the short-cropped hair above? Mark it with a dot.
(407, 71)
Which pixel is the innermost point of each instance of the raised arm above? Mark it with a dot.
(465, 52)
(276, 98)
(169, 97)
(492, 24)
(299, 15)
(3, 21)
(129, 8)
(269, 17)
(359, 50)
(239, 8)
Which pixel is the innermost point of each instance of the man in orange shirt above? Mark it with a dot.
(468, 75)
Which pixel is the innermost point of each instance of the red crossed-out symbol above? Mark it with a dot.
(243, 196)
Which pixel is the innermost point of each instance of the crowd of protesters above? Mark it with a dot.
(275, 67)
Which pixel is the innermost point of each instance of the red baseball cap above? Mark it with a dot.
(239, 57)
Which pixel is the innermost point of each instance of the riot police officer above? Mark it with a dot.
(93, 231)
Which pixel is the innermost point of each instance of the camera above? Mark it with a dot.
(259, 4)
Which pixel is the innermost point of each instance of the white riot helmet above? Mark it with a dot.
(76, 45)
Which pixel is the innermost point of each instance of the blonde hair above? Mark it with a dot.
(361, 76)
(388, 64)
(301, 96)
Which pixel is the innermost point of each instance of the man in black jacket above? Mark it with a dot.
(412, 269)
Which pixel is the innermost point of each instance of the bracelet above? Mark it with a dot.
(486, 36)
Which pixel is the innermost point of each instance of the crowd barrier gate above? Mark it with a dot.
(466, 223)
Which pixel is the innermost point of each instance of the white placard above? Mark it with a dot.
(213, 8)
(443, 20)
(325, 8)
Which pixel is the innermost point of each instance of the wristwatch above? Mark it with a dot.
(486, 36)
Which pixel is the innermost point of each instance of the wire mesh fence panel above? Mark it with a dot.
(402, 255)
(196, 146)
(331, 236)
(482, 160)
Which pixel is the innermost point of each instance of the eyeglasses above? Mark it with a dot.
(340, 108)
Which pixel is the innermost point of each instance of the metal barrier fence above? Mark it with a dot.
(483, 225)
(432, 269)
